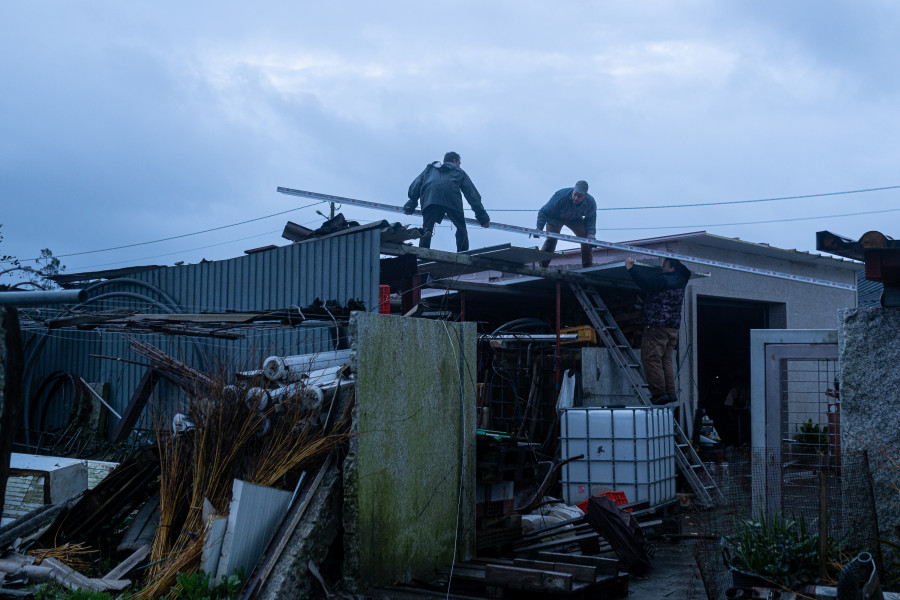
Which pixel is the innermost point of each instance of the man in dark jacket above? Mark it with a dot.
(662, 319)
(439, 187)
(577, 210)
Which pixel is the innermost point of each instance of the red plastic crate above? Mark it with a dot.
(618, 497)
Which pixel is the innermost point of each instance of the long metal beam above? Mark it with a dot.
(582, 240)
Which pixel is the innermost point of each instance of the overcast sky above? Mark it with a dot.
(124, 122)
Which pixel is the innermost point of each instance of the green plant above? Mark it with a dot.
(196, 587)
(781, 550)
(55, 591)
(811, 436)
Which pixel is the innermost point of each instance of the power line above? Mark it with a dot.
(133, 260)
(878, 189)
(699, 204)
(121, 262)
(856, 214)
(184, 235)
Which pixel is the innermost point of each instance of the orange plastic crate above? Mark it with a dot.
(618, 497)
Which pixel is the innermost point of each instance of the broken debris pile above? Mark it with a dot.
(175, 507)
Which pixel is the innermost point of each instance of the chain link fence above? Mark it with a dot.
(831, 497)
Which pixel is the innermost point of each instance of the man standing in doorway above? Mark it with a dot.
(662, 319)
(577, 210)
(439, 187)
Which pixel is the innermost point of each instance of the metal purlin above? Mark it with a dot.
(582, 240)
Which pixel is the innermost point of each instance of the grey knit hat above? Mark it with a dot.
(581, 187)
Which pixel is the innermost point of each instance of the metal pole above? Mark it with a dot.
(580, 240)
(42, 297)
(558, 326)
(823, 514)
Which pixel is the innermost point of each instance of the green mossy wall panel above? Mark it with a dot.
(410, 471)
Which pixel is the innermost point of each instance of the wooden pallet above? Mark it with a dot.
(547, 575)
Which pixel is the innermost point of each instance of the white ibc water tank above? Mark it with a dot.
(629, 450)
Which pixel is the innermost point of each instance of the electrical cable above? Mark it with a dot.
(184, 235)
(767, 222)
(133, 260)
(877, 189)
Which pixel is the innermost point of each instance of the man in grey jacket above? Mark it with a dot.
(439, 187)
(577, 210)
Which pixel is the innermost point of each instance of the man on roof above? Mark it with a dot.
(440, 187)
(574, 208)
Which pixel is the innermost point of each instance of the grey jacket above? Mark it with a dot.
(440, 184)
(561, 209)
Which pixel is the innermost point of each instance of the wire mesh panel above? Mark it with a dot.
(810, 465)
(844, 499)
(801, 408)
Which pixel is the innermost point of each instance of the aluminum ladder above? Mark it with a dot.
(706, 491)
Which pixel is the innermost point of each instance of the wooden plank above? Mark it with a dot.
(575, 539)
(604, 566)
(532, 580)
(136, 405)
(129, 564)
(579, 573)
(466, 572)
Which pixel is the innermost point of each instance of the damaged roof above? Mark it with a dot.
(395, 233)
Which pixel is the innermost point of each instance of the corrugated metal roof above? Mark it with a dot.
(339, 267)
(703, 238)
(868, 293)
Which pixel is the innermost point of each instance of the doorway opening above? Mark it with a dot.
(723, 363)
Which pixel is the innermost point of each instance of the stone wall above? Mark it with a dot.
(869, 354)
(409, 477)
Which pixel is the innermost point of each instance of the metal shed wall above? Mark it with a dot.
(339, 268)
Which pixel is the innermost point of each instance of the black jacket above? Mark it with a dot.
(665, 295)
(440, 184)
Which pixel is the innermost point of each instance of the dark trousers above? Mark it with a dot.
(578, 228)
(432, 215)
(657, 346)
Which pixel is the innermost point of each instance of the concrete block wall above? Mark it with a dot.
(409, 477)
(602, 380)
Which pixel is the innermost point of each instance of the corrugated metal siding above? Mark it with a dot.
(340, 268)
(868, 293)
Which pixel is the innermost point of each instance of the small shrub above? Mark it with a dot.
(811, 436)
(196, 587)
(55, 591)
(783, 551)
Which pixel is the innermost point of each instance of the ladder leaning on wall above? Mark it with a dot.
(705, 489)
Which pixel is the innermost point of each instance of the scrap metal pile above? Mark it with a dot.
(209, 493)
(226, 325)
